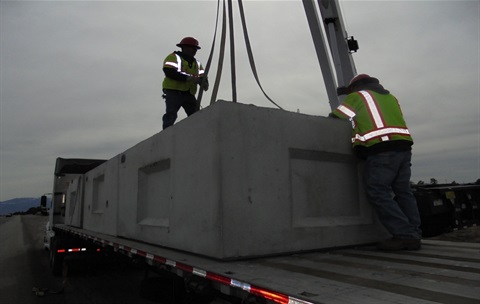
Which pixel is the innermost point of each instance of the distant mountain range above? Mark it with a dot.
(18, 205)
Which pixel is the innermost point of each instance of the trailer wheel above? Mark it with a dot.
(56, 259)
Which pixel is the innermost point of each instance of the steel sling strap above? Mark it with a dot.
(250, 54)
(209, 61)
(222, 53)
(232, 52)
(220, 59)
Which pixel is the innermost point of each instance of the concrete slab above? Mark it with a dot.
(237, 181)
(231, 181)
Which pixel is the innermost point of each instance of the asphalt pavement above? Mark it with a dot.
(24, 265)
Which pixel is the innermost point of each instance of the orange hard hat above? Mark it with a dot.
(190, 41)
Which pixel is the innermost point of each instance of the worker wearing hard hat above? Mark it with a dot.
(381, 137)
(182, 75)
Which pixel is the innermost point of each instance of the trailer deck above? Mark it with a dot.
(442, 272)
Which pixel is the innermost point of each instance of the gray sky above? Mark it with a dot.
(83, 78)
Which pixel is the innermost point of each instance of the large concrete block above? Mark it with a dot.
(100, 211)
(236, 181)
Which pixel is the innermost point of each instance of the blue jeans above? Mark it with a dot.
(387, 184)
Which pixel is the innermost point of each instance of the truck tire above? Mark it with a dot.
(56, 259)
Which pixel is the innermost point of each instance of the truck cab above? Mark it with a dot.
(68, 177)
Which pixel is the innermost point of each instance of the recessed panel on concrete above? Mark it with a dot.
(73, 201)
(101, 203)
(154, 203)
(318, 184)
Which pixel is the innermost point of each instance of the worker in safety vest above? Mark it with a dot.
(182, 75)
(380, 136)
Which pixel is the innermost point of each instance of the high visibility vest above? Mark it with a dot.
(181, 65)
(375, 118)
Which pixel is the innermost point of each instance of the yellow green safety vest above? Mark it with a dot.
(181, 65)
(375, 118)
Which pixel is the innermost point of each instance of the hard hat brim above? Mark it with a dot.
(194, 46)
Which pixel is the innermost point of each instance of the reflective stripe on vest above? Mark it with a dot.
(345, 110)
(178, 65)
(374, 113)
(382, 132)
(377, 119)
(200, 70)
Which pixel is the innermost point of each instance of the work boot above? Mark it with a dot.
(395, 244)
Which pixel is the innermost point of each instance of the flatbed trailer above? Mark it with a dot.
(257, 227)
(441, 272)
(262, 205)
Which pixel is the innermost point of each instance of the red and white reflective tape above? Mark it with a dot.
(255, 290)
(62, 250)
(77, 249)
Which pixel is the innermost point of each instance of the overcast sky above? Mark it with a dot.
(82, 79)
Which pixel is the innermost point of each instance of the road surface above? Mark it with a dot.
(24, 264)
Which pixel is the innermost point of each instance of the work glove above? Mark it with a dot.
(204, 83)
(343, 91)
(194, 79)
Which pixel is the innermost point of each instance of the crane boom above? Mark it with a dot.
(333, 46)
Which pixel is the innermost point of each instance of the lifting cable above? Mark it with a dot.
(209, 61)
(250, 53)
(221, 55)
(232, 53)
